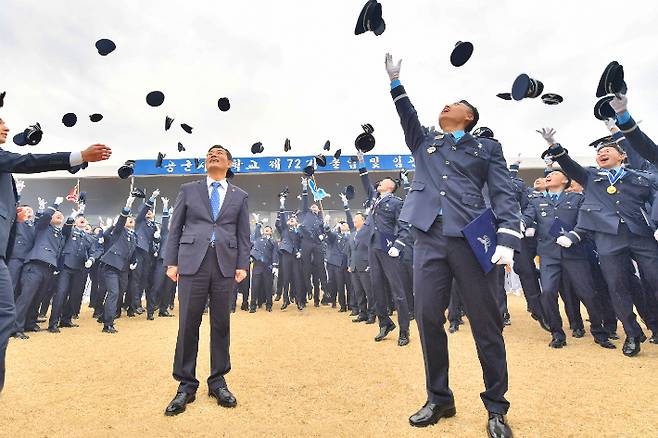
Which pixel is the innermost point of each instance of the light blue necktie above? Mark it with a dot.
(214, 204)
(554, 197)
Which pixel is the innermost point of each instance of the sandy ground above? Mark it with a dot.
(316, 374)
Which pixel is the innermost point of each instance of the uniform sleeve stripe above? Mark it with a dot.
(632, 128)
(400, 243)
(575, 234)
(510, 232)
(401, 96)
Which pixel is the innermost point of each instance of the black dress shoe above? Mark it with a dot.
(268, 307)
(252, 310)
(100, 319)
(384, 330)
(605, 343)
(224, 397)
(140, 310)
(277, 298)
(557, 343)
(578, 333)
(354, 313)
(404, 338)
(390, 312)
(110, 329)
(150, 317)
(614, 336)
(34, 328)
(166, 314)
(179, 403)
(412, 316)
(20, 335)
(76, 316)
(68, 324)
(360, 318)
(454, 326)
(41, 319)
(371, 320)
(300, 307)
(244, 307)
(333, 305)
(285, 306)
(632, 345)
(497, 427)
(431, 413)
(131, 313)
(507, 320)
(342, 309)
(97, 315)
(54, 330)
(653, 339)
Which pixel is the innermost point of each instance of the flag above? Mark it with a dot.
(73, 193)
(318, 193)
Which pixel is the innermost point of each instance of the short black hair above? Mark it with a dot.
(476, 115)
(217, 146)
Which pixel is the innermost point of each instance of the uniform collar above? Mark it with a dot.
(457, 135)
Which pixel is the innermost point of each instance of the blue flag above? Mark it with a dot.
(481, 237)
(318, 192)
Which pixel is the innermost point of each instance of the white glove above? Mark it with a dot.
(74, 213)
(81, 208)
(360, 157)
(344, 199)
(304, 183)
(275, 272)
(321, 237)
(327, 218)
(265, 220)
(133, 266)
(393, 252)
(101, 240)
(156, 235)
(564, 241)
(109, 222)
(548, 134)
(392, 69)
(530, 232)
(155, 253)
(611, 124)
(129, 202)
(155, 193)
(298, 255)
(282, 201)
(20, 185)
(42, 203)
(503, 255)
(618, 103)
(256, 217)
(165, 203)
(55, 272)
(655, 235)
(88, 263)
(58, 201)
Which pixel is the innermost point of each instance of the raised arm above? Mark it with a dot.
(574, 170)
(305, 204)
(11, 162)
(413, 131)
(371, 193)
(637, 139)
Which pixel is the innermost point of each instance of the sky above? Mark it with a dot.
(295, 69)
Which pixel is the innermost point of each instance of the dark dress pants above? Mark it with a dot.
(455, 307)
(336, 276)
(138, 278)
(408, 280)
(193, 292)
(387, 269)
(15, 267)
(112, 281)
(524, 266)
(437, 260)
(36, 277)
(261, 284)
(67, 281)
(7, 315)
(362, 288)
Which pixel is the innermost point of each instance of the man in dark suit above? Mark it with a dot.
(452, 169)
(207, 253)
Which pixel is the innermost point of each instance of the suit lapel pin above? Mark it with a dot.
(431, 149)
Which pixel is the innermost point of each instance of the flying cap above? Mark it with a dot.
(612, 80)
(257, 148)
(127, 169)
(223, 104)
(551, 99)
(370, 19)
(69, 120)
(187, 128)
(155, 98)
(96, 117)
(461, 53)
(105, 46)
(524, 86)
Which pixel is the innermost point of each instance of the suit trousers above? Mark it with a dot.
(193, 292)
(261, 284)
(615, 265)
(437, 260)
(74, 304)
(387, 269)
(408, 281)
(7, 315)
(293, 278)
(337, 282)
(15, 267)
(362, 287)
(577, 273)
(35, 278)
(68, 280)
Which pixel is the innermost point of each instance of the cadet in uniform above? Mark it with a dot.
(163, 287)
(144, 230)
(265, 256)
(357, 266)
(23, 241)
(311, 226)
(446, 195)
(290, 261)
(337, 241)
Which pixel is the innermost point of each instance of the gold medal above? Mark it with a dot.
(611, 190)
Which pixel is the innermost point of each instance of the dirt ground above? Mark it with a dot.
(316, 374)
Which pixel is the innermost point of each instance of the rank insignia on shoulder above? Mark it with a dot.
(431, 149)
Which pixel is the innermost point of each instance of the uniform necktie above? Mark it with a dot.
(554, 197)
(214, 204)
(613, 172)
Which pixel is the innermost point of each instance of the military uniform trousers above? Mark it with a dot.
(577, 273)
(35, 278)
(524, 266)
(408, 280)
(15, 267)
(261, 284)
(615, 251)
(455, 308)
(162, 290)
(193, 293)
(139, 277)
(112, 278)
(68, 281)
(7, 315)
(387, 269)
(362, 287)
(337, 282)
(437, 260)
(313, 265)
(292, 269)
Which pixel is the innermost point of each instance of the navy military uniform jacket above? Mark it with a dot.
(164, 233)
(145, 229)
(449, 178)
(337, 243)
(311, 225)
(602, 212)
(290, 237)
(23, 240)
(122, 246)
(264, 249)
(48, 241)
(79, 247)
(541, 213)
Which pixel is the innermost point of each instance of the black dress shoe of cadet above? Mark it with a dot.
(285, 306)
(140, 310)
(224, 397)
(41, 319)
(557, 343)
(654, 339)
(384, 330)
(605, 343)
(268, 307)
(150, 317)
(632, 345)
(54, 329)
(165, 314)
(34, 328)
(110, 329)
(20, 335)
(613, 335)
(179, 403)
(431, 413)
(578, 333)
(68, 324)
(404, 338)
(360, 318)
(497, 427)
(277, 298)
(371, 320)
(454, 326)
